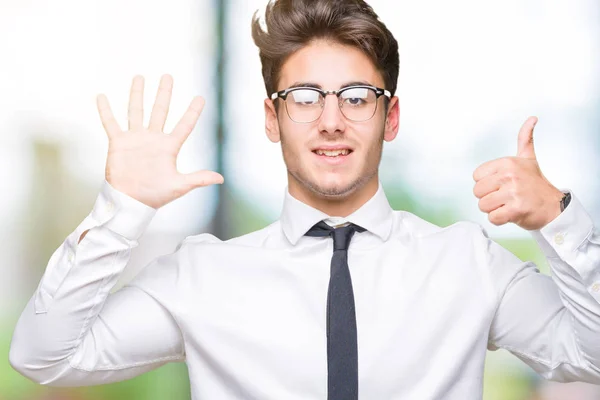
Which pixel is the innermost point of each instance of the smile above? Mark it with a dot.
(332, 153)
(333, 157)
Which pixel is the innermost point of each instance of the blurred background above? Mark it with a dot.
(471, 73)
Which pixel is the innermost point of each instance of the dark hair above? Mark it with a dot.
(293, 24)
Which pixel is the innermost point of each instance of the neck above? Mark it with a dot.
(334, 206)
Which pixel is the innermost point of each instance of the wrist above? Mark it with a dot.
(553, 207)
(565, 200)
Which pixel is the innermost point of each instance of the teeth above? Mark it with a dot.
(332, 153)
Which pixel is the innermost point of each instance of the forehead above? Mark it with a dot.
(328, 64)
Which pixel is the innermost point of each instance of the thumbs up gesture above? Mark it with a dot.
(513, 189)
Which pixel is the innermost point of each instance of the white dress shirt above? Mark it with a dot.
(248, 314)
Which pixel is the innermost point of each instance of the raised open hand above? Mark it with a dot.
(141, 161)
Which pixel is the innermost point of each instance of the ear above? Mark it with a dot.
(271, 123)
(392, 120)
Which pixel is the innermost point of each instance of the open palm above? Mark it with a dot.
(141, 161)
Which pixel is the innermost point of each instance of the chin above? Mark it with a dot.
(338, 188)
(330, 186)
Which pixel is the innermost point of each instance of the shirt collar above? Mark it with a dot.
(375, 216)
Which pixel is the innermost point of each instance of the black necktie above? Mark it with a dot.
(342, 352)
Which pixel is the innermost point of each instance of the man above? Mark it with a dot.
(342, 298)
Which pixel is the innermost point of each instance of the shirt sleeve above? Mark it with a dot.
(552, 323)
(73, 332)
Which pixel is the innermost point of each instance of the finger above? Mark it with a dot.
(110, 124)
(161, 105)
(492, 201)
(525, 140)
(202, 178)
(499, 216)
(187, 123)
(487, 185)
(136, 104)
(486, 169)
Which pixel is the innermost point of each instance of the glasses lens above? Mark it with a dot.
(304, 105)
(358, 104)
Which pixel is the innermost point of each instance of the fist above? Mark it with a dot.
(513, 189)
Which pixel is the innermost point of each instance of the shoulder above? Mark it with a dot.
(172, 277)
(251, 239)
(465, 240)
(458, 240)
(465, 245)
(420, 228)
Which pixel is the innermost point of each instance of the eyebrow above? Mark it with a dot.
(317, 86)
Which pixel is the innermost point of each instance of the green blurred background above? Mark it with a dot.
(471, 73)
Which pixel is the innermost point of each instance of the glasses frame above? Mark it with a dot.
(282, 94)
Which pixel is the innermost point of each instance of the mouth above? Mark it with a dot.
(333, 156)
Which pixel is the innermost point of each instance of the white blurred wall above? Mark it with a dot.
(471, 73)
(55, 58)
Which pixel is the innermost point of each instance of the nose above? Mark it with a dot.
(332, 120)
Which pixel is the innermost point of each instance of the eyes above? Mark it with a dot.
(305, 97)
(354, 101)
(351, 97)
(306, 104)
(356, 96)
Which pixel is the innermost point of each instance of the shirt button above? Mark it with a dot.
(559, 238)
(71, 256)
(110, 206)
(596, 287)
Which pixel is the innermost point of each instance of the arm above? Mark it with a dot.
(72, 331)
(552, 323)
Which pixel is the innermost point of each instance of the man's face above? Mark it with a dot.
(331, 66)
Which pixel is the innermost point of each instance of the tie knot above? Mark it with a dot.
(341, 235)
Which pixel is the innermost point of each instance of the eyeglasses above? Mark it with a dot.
(305, 104)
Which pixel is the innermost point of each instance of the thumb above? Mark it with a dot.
(525, 145)
(202, 178)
